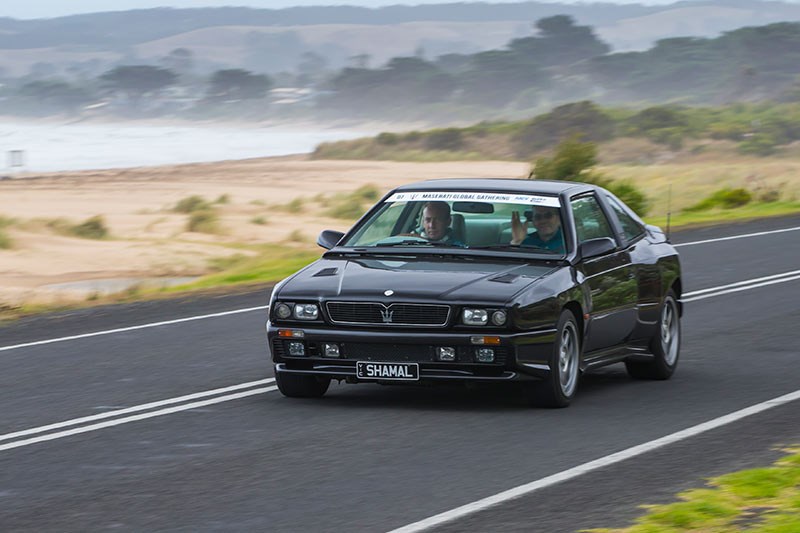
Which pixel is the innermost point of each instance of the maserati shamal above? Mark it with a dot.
(531, 282)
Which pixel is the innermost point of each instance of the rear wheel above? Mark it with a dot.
(300, 386)
(665, 345)
(559, 388)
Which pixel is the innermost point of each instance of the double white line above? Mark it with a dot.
(741, 286)
(185, 403)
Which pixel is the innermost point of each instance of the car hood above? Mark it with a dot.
(423, 280)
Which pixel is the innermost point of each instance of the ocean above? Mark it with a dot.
(44, 147)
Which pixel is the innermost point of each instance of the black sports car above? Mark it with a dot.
(482, 280)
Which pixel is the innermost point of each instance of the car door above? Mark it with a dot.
(610, 278)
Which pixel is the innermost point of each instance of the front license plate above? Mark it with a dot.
(394, 371)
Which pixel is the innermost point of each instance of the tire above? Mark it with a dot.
(560, 387)
(301, 386)
(665, 345)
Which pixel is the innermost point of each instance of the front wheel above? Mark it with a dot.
(665, 345)
(301, 386)
(559, 388)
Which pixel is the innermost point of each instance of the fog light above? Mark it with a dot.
(499, 318)
(331, 350)
(484, 355)
(446, 353)
(283, 311)
(297, 349)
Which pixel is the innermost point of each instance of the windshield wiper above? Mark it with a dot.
(412, 242)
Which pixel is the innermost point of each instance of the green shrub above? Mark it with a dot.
(223, 199)
(261, 221)
(367, 192)
(448, 139)
(295, 206)
(760, 144)
(191, 204)
(725, 198)
(571, 162)
(387, 138)
(628, 193)
(91, 228)
(203, 222)
(5, 240)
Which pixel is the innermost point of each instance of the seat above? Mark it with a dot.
(459, 227)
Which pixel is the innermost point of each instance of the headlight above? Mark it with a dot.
(306, 311)
(475, 317)
(283, 311)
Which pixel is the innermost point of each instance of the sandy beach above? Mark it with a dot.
(147, 239)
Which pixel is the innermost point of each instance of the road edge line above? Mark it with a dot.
(639, 449)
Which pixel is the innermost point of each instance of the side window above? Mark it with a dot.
(630, 227)
(590, 221)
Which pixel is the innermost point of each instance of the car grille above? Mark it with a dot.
(392, 315)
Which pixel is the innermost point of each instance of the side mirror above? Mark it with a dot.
(329, 238)
(596, 247)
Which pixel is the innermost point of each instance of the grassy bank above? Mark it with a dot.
(760, 500)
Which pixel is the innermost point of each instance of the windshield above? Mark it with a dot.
(465, 220)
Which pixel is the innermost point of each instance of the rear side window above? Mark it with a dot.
(590, 221)
(630, 227)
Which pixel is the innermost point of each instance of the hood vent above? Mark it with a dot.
(326, 272)
(505, 278)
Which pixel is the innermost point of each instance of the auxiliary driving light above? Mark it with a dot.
(446, 353)
(283, 311)
(484, 355)
(297, 349)
(499, 318)
(330, 350)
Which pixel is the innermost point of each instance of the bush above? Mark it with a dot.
(758, 144)
(92, 228)
(725, 198)
(191, 204)
(448, 139)
(571, 162)
(223, 199)
(628, 193)
(387, 138)
(5, 240)
(367, 192)
(203, 222)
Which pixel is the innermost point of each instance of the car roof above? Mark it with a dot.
(499, 185)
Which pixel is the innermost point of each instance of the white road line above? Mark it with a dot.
(746, 288)
(134, 409)
(737, 237)
(134, 418)
(522, 490)
(133, 328)
(740, 283)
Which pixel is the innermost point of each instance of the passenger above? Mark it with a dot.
(548, 234)
(436, 221)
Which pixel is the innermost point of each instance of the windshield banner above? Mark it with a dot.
(492, 197)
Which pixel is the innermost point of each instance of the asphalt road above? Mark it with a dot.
(372, 458)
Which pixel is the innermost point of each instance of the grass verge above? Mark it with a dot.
(687, 219)
(760, 500)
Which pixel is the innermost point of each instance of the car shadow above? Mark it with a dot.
(479, 397)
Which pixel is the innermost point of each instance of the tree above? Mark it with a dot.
(179, 60)
(560, 42)
(138, 80)
(238, 84)
(580, 118)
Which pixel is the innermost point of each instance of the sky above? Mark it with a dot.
(29, 9)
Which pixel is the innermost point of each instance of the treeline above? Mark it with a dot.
(566, 62)
(757, 129)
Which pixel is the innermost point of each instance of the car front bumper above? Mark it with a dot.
(518, 356)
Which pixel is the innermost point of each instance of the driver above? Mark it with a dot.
(436, 221)
(548, 234)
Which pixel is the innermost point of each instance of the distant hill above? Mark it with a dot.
(271, 40)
